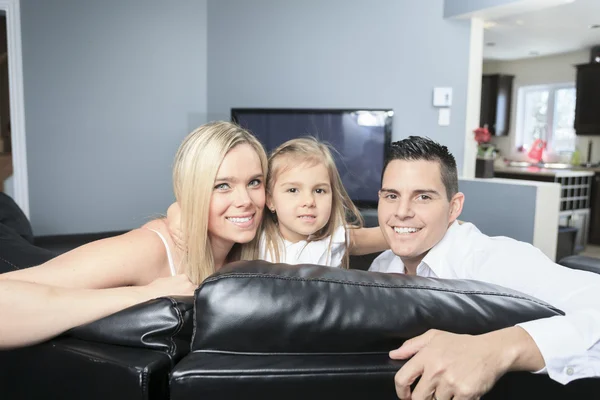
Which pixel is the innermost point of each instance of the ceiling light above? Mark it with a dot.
(490, 44)
(595, 26)
(489, 24)
(534, 53)
(569, 1)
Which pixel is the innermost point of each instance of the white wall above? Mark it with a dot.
(537, 71)
(111, 88)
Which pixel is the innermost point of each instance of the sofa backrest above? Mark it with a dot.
(259, 307)
(12, 216)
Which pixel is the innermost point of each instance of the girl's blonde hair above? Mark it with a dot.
(194, 172)
(310, 152)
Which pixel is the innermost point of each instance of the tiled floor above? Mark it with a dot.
(591, 251)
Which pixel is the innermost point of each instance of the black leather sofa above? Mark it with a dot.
(260, 330)
(255, 330)
(128, 355)
(583, 263)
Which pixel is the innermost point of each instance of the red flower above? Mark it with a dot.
(482, 135)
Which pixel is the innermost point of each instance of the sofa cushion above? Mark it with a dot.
(211, 376)
(12, 216)
(583, 263)
(259, 307)
(161, 324)
(222, 376)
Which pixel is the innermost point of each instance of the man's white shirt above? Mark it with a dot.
(570, 344)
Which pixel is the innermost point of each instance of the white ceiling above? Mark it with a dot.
(554, 30)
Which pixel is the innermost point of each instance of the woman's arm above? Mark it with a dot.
(31, 313)
(85, 284)
(366, 241)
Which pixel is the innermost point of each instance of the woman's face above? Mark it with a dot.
(238, 198)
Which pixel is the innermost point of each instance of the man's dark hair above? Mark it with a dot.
(415, 148)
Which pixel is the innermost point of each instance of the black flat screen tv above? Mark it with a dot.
(360, 137)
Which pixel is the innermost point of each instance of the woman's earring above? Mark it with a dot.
(272, 211)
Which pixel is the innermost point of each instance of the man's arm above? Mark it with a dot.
(570, 344)
(455, 366)
(567, 347)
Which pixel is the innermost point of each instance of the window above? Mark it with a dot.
(546, 112)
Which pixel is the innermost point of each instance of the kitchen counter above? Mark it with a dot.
(592, 169)
(579, 199)
(548, 172)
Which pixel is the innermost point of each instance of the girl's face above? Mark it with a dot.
(301, 197)
(238, 199)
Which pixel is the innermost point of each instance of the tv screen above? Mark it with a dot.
(360, 139)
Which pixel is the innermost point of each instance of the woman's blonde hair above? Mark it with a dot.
(194, 172)
(309, 151)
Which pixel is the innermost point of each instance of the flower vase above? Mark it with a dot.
(484, 168)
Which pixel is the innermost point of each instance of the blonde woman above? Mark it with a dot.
(218, 179)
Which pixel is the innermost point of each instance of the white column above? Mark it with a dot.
(473, 96)
(12, 9)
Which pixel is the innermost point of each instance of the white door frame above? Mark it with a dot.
(12, 8)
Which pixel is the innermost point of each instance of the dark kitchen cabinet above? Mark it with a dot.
(587, 105)
(594, 233)
(496, 98)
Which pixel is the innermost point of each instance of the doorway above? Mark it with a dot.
(12, 127)
(6, 164)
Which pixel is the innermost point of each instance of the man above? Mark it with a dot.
(419, 204)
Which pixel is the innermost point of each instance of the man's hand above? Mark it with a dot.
(462, 367)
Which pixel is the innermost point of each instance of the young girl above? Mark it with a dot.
(311, 219)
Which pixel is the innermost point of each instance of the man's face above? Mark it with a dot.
(414, 212)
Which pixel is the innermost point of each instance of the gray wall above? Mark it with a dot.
(111, 88)
(492, 208)
(340, 54)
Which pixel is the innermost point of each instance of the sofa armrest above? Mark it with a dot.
(71, 369)
(583, 263)
(163, 324)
